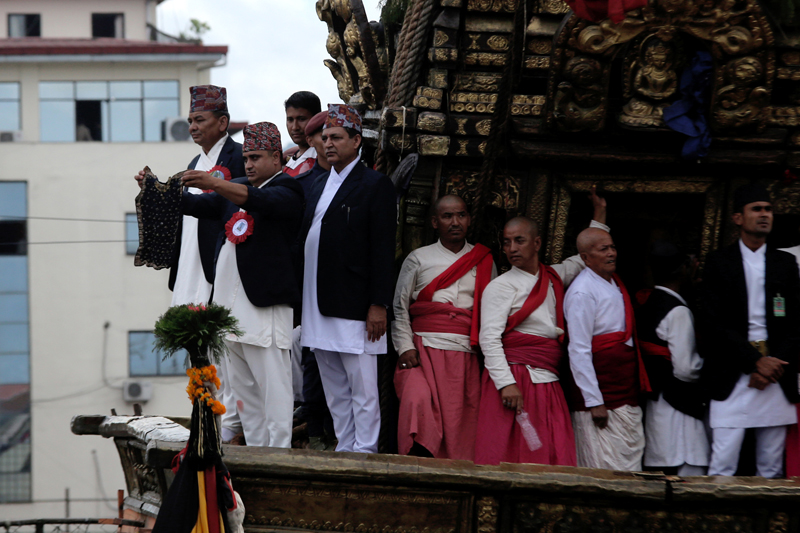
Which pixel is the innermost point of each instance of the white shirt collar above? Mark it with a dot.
(346, 170)
(446, 250)
(598, 277)
(673, 293)
(213, 154)
(269, 179)
(750, 255)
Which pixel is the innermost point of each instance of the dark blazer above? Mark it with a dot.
(725, 348)
(307, 178)
(264, 259)
(357, 243)
(230, 157)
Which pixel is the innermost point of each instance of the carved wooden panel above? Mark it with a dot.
(361, 508)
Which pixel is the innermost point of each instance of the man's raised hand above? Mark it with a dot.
(140, 179)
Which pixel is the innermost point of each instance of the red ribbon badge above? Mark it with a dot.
(218, 171)
(239, 227)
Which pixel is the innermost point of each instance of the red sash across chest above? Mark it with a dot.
(424, 310)
(537, 297)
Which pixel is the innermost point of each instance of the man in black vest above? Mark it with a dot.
(675, 435)
(751, 301)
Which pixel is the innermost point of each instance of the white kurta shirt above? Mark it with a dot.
(592, 307)
(310, 152)
(259, 324)
(190, 281)
(674, 438)
(505, 296)
(747, 407)
(422, 266)
(325, 332)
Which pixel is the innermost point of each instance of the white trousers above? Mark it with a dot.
(231, 423)
(726, 444)
(350, 382)
(261, 389)
(687, 470)
(297, 368)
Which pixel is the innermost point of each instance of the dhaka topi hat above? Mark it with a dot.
(748, 194)
(316, 123)
(343, 116)
(208, 98)
(262, 136)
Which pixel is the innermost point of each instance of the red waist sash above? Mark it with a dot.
(616, 370)
(649, 348)
(439, 317)
(532, 350)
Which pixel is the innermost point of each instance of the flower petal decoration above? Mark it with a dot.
(218, 171)
(239, 227)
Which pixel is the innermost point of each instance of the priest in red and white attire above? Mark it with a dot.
(438, 375)
(605, 364)
(522, 331)
(254, 278)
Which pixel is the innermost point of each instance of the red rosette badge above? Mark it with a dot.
(218, 171)
(239, 227)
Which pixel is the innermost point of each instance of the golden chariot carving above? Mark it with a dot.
(658, 39)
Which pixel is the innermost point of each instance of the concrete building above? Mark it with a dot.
(88, 93)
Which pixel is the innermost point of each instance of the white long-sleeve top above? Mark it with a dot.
(674, 438)
(677, 329)
(592, 307)
(422, 266)
(506, 295)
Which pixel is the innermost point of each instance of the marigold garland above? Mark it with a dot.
(197, 390)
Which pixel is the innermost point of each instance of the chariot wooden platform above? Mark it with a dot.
(302, 490)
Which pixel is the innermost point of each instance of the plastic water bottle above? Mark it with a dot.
(528, 432)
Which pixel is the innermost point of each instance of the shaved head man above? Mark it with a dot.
(522, 329)
(608, 424)
(438, 374)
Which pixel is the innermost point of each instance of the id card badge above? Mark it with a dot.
(779, 306)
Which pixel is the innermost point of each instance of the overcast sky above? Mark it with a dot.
(275, 48)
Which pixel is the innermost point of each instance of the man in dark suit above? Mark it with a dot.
(254, 277)
(348, 240)
(192, 270)
(751, 302)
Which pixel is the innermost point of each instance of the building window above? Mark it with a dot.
(24, 25)
(108, 25)
(146, 361)
(108, 111)
(15, 413)
(131, 233)
(9, 107)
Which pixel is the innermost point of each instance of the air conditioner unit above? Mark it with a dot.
(175, 129)
(10, 136)
(137, 390)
